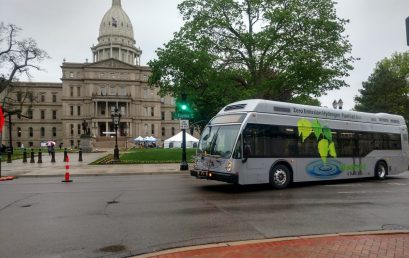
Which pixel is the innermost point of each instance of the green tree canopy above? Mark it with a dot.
(387, 89)
(228, 50)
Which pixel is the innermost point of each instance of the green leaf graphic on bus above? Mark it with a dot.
(304, 128)
(326, 146)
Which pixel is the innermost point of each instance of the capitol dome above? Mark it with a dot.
(116, 37)
(116, 22)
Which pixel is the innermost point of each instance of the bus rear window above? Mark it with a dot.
(227, 119)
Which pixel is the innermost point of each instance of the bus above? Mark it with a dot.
(267, 142)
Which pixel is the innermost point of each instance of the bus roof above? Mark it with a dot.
(283, 108)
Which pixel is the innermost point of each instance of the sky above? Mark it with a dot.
(67, 30)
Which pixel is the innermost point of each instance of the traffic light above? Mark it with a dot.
(183, 109)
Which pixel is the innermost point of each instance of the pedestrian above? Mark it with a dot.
(49, 149)
(60, 145)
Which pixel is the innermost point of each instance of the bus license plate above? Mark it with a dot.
(202, 173)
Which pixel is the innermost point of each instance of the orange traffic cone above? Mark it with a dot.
(67, 171)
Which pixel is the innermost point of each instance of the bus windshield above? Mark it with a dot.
(218, 140)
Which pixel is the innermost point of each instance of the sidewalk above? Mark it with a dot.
(19, 169)
(382, 244)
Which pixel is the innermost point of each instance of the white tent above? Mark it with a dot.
(176, 141)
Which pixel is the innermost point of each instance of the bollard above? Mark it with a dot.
(40, 160)
(65, 154)
(24, 155)
(32, 156)
(80, 155)
(53, 156)
(9, 155)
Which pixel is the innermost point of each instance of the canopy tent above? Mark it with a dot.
(138, 139)
(176, 141)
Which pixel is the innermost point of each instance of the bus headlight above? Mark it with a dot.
(229, 166)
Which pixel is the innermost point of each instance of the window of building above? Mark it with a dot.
(54, 98)
(78, 110)
(19, 96)
(153, 129)
(42, 114)
(78, 143)
(30, 144)
(72, 143)
(145, 111)
(19, 144)
(54, 114)
(146, 129)
(78, 91)
(163, 131)
(78, 129)
(173, 131)
(112, 90)
(72, 91)
(173, 101)
(54, 132)
(145, 93)
(18, 132)
(162, 115)
(42, 132)
(72, 110)
(162, 100)
(42, 97)
(71, 75)
(72, 129)
(173, 115)
(30, 132)
(152, 111)
(30, 114)
(122, 91)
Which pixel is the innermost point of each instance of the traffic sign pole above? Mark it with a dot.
(183, 164)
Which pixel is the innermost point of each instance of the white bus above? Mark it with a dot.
(259, 141)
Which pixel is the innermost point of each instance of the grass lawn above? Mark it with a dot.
(154, 155)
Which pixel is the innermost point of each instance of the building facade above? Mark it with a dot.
(90, 90)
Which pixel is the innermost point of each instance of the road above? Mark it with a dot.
(119, 216)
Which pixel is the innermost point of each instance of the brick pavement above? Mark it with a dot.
(333, 246)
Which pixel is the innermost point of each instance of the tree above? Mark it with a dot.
(387, 89)
(17, 56)
(283, 50)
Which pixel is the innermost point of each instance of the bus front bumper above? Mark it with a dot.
(219, 176)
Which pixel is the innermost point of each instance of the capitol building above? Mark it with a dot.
(90, 90)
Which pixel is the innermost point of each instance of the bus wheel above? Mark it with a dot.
(381, 170)
(280, 176)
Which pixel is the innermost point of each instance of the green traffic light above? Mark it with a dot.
(184, 107)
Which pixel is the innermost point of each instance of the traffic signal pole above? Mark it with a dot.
(183, 164)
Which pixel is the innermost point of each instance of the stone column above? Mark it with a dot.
(106, 129)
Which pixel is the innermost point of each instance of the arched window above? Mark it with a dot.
(42, 131)
(30, 131)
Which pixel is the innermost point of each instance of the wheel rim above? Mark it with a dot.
(280, 177)
(381, 171)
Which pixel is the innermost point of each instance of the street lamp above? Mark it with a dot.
(335, 104)
(340, 104)
(116, 118)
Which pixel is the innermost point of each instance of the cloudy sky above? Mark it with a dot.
(67, 29)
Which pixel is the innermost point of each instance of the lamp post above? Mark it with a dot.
(340, 103)
(116, 118)
(335, 104)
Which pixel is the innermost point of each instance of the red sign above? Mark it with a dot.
(1, 119)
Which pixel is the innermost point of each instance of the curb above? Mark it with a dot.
(248, 242)
(7, 178)
(112, 174)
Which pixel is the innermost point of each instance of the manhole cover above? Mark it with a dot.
(113, 249)
(394, 227)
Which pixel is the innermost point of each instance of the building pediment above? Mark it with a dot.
(110, 63)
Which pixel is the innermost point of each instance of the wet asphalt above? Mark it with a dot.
(120, 216)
